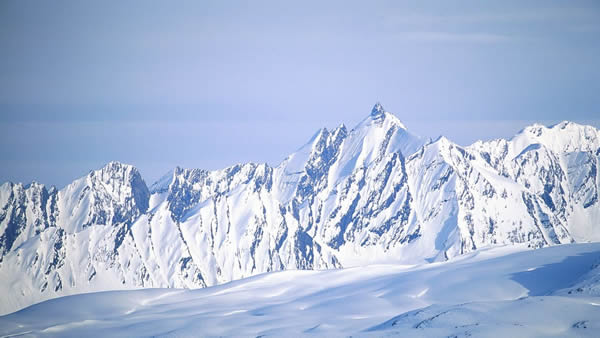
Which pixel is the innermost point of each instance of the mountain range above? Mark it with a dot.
(375, 193)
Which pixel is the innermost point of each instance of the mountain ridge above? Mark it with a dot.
(347, 197)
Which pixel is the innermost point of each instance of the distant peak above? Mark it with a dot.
(341, 129)
(116, 165)
(377, 110)
(162, 184)
(568, 124)
(115, 170)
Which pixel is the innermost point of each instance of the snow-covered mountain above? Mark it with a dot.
(348, 197)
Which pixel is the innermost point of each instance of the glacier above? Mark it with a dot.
(375, 194)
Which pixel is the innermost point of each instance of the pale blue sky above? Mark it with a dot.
(210, 84)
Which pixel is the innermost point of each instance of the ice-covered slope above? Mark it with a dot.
(503, 291)
(375, 193)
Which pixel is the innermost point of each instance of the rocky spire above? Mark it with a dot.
(377, 111)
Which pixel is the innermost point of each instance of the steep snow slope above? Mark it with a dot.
(504, 291)
(375, 193)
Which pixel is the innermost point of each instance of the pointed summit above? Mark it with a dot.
(377, 110)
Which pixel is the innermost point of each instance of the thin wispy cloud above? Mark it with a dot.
(575, 15)
(497, 26)
(454, 37)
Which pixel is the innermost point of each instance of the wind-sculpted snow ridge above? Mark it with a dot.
(376, 193)
(503, 291)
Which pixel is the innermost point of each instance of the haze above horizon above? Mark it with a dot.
(208, 85)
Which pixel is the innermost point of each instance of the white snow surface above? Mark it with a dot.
(503, 291)
(374, 194)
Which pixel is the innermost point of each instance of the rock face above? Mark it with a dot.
(347, 197)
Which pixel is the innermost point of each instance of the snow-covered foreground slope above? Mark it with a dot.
(505, 291)
(372, 194)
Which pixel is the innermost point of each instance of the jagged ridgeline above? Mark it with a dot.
(347, 197)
